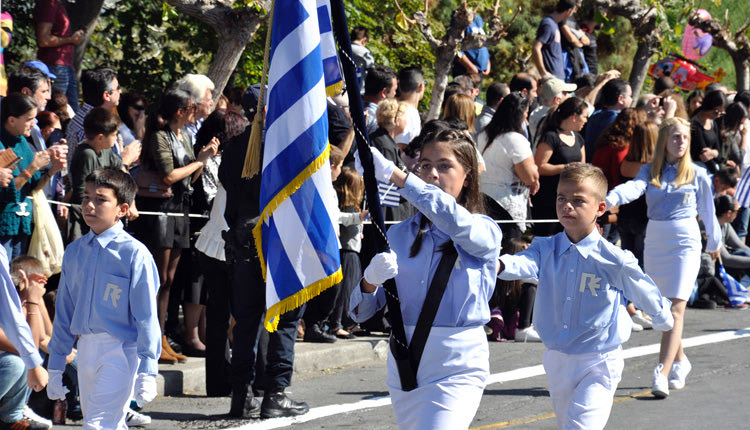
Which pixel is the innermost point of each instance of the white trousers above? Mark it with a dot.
(582, 386)
(106, 374)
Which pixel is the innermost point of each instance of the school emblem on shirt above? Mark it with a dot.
(688, 198)
(592, 281)
(112, 293)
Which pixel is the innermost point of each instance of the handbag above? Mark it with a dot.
(150, 183)
(46, 243)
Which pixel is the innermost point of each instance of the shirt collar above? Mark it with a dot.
(585, 246)
(106, 236)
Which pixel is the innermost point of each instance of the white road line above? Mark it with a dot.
(511, 375)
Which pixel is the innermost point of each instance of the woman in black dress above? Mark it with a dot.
(561, 144)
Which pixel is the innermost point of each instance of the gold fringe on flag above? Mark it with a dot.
(252, 157)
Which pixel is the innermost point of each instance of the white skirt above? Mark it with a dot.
(450, 381)
(672, 256)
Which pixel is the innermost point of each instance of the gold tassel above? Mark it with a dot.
(252, 156)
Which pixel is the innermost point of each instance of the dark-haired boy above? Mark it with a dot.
(100, 126)
(579, 309)
(107, 297)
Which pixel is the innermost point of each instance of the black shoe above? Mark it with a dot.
(315, 334)
(244, 404)
(277, 404)
(176, 346)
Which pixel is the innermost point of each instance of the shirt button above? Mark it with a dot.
(571, 270)
(565, 326)
(569, 298)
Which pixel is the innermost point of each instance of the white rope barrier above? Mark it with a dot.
(177, 214)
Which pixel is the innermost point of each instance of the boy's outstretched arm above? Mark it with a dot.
(643, 292)
(523, 265)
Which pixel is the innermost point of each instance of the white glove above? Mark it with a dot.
(666, 325)
(383, 167)
(145, 388)
(55, 388)
(382, 267)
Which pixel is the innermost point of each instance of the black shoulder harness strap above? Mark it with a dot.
(408, 366)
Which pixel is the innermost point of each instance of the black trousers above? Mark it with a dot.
(217, 289)
(248, 292)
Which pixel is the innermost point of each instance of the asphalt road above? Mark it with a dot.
(355, 397)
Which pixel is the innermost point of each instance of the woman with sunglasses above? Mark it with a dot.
(168, 151)
(132, 112)
(705, 146)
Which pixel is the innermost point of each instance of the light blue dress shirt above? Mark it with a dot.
(108, 285)
(669, 202)
(477, 239)
(582, 293)
(12, 320)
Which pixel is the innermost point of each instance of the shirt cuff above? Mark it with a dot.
(32, 360)
(56, 362)
(149, 367)
(665, 315)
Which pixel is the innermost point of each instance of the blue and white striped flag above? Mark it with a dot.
(295, 236)
(737, 292)
(742, 193)
(334, 81)
(388, 193)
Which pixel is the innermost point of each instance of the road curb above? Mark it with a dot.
(189, 378)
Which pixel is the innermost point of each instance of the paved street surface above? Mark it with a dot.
(355, 397)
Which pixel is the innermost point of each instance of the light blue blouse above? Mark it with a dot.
(582, 292)
(669, 202)
(477, 239)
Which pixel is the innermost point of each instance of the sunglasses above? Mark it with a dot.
(138, 107)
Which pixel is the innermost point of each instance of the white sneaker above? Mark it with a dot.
(660, 389)
(135, 419)
(640, 318)
(528, 334)
(679, 372)
(636, 326)
(29, 414)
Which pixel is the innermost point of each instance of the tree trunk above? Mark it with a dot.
(742, 72)
(83, 14)
(442, 70)
(228, 54)
(638, 73)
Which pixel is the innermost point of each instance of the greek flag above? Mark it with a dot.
(742, 193)
(295, 236)
(388, 194)
(334, 81)
(737, 293)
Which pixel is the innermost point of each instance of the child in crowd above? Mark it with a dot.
(579, 311)
(100, 127)
(107, 297)
(21, 328)
(350, 188)
(30, 277)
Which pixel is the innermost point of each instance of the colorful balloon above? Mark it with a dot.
(685, 74)
(696, 43)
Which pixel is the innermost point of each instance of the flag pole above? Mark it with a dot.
(398, 344)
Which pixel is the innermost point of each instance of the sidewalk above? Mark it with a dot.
(189, 378)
